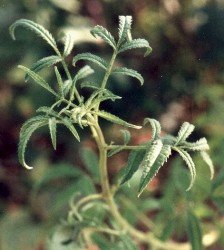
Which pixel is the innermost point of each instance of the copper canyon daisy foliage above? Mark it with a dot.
(73, 110)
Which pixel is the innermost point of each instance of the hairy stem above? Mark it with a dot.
(109, 70)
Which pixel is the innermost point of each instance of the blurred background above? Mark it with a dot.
(184, 81)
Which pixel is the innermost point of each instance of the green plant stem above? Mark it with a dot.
(109, 70)
(125, 147)
(88, 198)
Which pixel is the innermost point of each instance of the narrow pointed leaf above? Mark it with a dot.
(156, 127)
(53, 129)
(104, 34)
(129, 72)
(26, 131)
(71, 127)
(38, 29)
(68, 44)
(187, 158)
(83, 72)
(194, 231)
(150, 172)
(60, 81)
(115, 119)
(92, 58)
(134, 160)
(90, 85)
(200, 145)
(206, 158)
(48, 111)
(135, 44)
(150, 157)
(124, 28)
(43, 63)
(184, 132)
(39, 80)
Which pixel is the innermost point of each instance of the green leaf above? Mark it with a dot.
(53, 129)
(206, 158)
(126, 135)
(129, 72)
(82, 73)
(219, 180)
(91, 85)
(68, 45)
(187, 158)
(92, 58)
(200, 145)
(115, 151)
(124, 28)
(184, 132)
(38, 29)
(156, 127)
(134, 160)
(194, 231)
(91, 162)
(39, 80)
(26, 131)
(115, 119)
(43, 63)
(136, 43)
(103, 95)
(48, 111)
(151, 169)
(60, 82)
(104, 34)
(70, 126)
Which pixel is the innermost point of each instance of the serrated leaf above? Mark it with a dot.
(206, 158)
(47, 111)
(38, 29)
(126, 135)
(187, 158)
(194, 231)
(60, 82)
(92, 58)
(124, 28)
(104, 95)
(68, 45)
(150, 171)
(112, 118)
(184, 132)
(26, 131)
(149, 159)
(199, 145)
(39, 80)
(156, 127)
(104, 34)
(67, 86)
(52, 123)
(136, 43)
(83, 72)
(43, 63)
(91, 85)
(129, 72)
(71, 127)
(134, 160)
